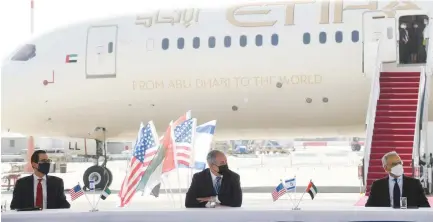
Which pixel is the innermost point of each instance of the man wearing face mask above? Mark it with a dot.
(217, 184)
(416, 43)
(39, 190)
(404, 53)
(387, 192)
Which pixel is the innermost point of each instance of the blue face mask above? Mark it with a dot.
(44, 168)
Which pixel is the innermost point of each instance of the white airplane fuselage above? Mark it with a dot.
(123, 75)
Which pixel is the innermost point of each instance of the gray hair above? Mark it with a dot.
(211, 156)
(385, 157)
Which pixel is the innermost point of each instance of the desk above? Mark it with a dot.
(226, 215)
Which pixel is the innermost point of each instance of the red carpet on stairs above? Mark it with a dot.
(394, 127)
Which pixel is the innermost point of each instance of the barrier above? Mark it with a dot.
(429, 179)
(416, 171)
(361, 177)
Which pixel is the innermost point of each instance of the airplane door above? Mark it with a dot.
(376, 26)
(101, 52)
(410, 17)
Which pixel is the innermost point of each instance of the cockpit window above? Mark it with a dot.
(26, 53)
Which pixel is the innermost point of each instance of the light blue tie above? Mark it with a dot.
(217, 184)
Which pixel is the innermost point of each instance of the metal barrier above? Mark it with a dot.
(429, 179)
(361, 177)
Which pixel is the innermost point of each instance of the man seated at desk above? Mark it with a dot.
(39, 190)
(386, 192)
(216, 184)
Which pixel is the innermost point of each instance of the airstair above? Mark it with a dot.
(397, 115)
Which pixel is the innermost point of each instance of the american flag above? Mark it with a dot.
(170, 156)
(76, 192)
(144, 151)
(279, 191)
(183, 135)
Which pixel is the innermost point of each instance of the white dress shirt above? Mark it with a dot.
(214, 183)
(44, 189)
(391, 184)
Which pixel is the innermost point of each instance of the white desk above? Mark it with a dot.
(226, 215)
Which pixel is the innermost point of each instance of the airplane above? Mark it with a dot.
(266, 70)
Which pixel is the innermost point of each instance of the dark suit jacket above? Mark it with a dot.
(23, 195)
(412, 189)
(202, 186)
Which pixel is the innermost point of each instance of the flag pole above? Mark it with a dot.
(287, 192)
(32, 7)
(295, 187)
(86, 196)
(296, 208)
(176, 165)
(106, 184)
(93, 191)
(167, 193)
(180, 188)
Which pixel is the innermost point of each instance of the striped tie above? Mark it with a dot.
(217, 184)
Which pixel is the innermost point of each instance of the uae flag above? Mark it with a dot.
(71, 58)
(311, 189)
(105, 193)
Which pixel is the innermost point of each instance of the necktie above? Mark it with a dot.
(406, 36)
(39, 198)
(217, 184)
(396, 195)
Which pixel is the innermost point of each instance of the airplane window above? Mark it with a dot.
(196, 42)
(211, 42)
(274, 39)
(307, 38)
(227, 41)
(259, 40)
(243, 40)
(355, 36)
(338, 37)
(180, 43)
(165, 44)
(322, 37)
(389, 32)
(26, 53)
(110, 47)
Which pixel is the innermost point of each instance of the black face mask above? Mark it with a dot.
(44, 168)
(223, 169)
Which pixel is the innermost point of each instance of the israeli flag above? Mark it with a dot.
(203, 139)
(92, 185)
(290, 184)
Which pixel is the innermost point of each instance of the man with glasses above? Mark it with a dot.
(387, 192)
(39, 190)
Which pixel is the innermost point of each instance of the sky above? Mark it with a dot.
(49, 14)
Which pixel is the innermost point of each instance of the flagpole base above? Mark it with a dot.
(296, 208)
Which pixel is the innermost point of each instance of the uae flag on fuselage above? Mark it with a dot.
(311, 189)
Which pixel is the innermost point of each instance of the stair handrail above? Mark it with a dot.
(419, 117)
(427, 70)
(372, 105)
